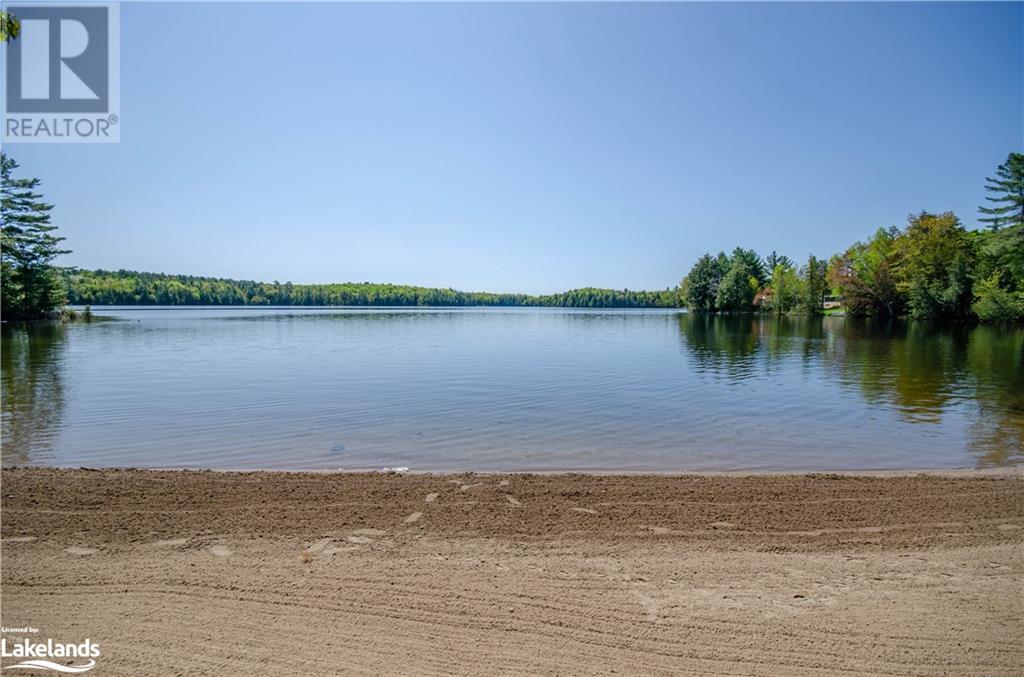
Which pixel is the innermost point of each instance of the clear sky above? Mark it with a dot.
(531, 147)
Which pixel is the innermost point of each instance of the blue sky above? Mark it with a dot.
(531, 147)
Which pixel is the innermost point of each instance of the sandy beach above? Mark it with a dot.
(175, 572)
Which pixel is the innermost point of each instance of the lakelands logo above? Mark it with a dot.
(61, 77)
(72, 658)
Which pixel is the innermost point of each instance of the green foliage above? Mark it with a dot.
(865, 276)
(1001, 253)
(933, 268)
(10, 27)
(752, 264)
(71, 315)
(1007, 188)
(127, 287)
(724, 283)
(936, 258)
(814, 285)
(993, 303)
(786, 287)
(773, 260)
(29, 285)
(700, 286)
(926, 269)
(737, 289)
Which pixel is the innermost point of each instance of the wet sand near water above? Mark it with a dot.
(187, 572)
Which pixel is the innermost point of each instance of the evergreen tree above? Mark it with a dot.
(751, 262)
(773, 260)
(1008, 188)
(814, 284)
(737, 289)
(30, 287)
(1000, 253)
(700, 286)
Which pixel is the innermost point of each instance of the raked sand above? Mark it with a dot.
(276, 573)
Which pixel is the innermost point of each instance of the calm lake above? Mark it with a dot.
(509, 389)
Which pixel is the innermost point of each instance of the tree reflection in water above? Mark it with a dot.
(921, 369)
(33, 398)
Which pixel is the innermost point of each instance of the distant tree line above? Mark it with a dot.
(931, 268)
(127, 287)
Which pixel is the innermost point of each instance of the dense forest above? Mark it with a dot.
(126, 287)
(931, 268)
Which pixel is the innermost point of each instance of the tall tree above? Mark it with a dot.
(751, 262)
(865, 275)
(773, 260)
(1000, 253)
(1007, 188)
(814, 284)
(700, 286)
(785, 288)
(936, 260)
(30, 287)
(738, 287)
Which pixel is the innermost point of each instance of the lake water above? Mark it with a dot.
(509, 389)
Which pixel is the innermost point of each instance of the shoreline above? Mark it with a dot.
(214, 572)
(1000, 471)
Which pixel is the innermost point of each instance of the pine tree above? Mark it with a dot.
(1008, 188)
(30, 287)
(773, 260)
(814, 284)
(753, 264)
(700, 286)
